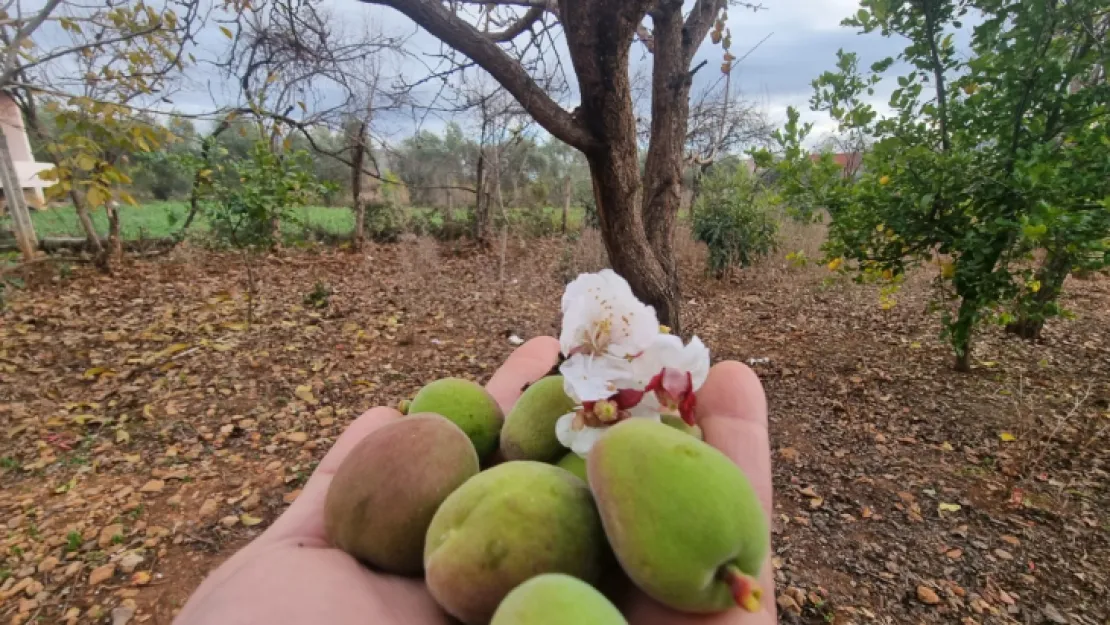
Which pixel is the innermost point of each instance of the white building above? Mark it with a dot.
(26, 169)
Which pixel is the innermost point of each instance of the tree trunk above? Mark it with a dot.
(641, 252)
(115, 241)
(966, 320)
(481, 202)
(87, 224)
(17, 204)
(670, 112)
(566, 202)
(356, 188)
(616, 177)
(695, 188)
(199, 175)
(1051, 275)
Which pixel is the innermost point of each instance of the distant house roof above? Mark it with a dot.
(846, 160)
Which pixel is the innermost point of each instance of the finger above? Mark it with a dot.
(303, 522)
(525, 365)
(732, 412)
(305, 518)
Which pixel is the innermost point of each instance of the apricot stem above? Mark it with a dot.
(745, 590)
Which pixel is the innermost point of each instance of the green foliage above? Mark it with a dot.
(319, 296)
(256, 194)
(73, 541)
(735, 218)
(993, 157)
(537, 222)
(385, 221)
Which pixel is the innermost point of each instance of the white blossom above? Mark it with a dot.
(619, 365)
(602, 316)
(580, 438)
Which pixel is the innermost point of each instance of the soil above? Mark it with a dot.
(160, 418)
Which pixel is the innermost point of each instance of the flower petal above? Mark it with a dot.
(585, 439)
(601, 314)
(592, 378)
(695, 359)
(564, 430)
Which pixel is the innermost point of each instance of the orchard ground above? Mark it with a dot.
(147, 430)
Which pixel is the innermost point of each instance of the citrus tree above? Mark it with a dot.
(992, 163)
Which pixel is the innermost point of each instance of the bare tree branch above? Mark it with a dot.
(462, 36)
(517, 27)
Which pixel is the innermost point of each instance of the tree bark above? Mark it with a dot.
(630, 254)
(17, 204)
(599, 36)
(1051, 275)
(566, 202)
(356, 186)
(115, 241)
(481, 201)
(87, 224)
(670, 112)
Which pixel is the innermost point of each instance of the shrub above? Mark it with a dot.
(385, 222)
(534, 222)
(734, 217)
(258, 192)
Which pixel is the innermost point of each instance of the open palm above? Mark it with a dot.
(291, 575)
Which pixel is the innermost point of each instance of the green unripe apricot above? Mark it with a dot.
(384, 494)
(505, 526)
(529, 432)
(468, 405)
(680, 425)
(556, 599)
(574, 463)
(682, 519)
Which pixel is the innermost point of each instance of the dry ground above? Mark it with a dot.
(147, 431)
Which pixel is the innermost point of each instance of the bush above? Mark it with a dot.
(735, 218)
(257, 192)
(385, 222)
(534, 222)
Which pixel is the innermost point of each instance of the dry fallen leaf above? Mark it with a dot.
(1007, 437)
(248, 520)
(304, 393)
(948, 507)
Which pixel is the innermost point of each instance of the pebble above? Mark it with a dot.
(130, 561)
(121, 615)
(229, 521)
(16, 521)
(1003, 554)
(297, 437)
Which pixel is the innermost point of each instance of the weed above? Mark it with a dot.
(73, 541)
(319, 295)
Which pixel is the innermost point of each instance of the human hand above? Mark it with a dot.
(291, 575)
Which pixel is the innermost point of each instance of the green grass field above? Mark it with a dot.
(162, 219)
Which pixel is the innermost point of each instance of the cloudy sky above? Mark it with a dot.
(803, 37)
